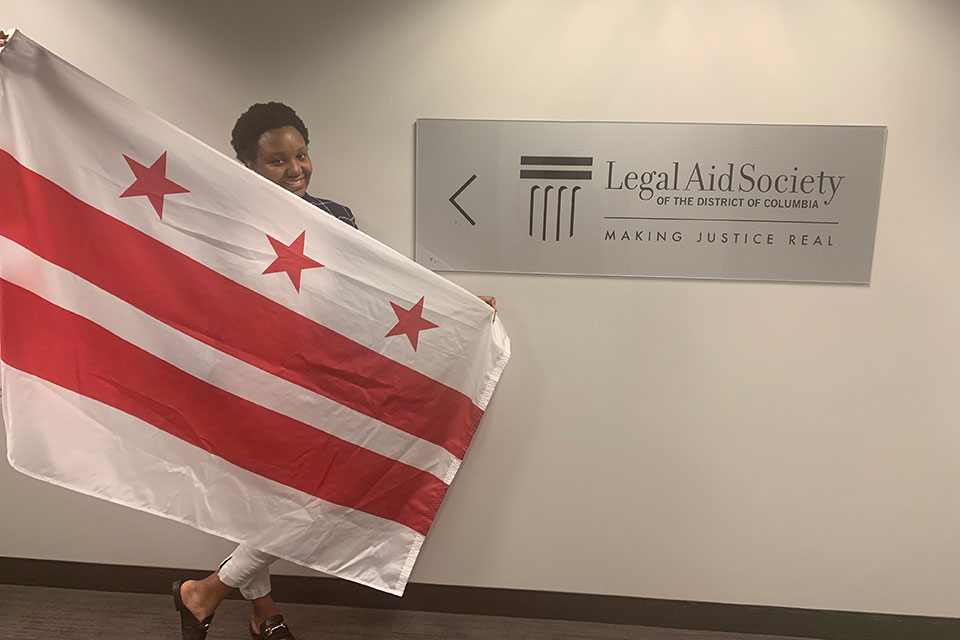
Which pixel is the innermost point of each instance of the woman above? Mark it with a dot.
(271, 140)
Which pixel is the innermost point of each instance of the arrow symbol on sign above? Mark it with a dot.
(453, 199)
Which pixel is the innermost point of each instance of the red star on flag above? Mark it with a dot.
(290, 258)
(152, 182)
(410, 322)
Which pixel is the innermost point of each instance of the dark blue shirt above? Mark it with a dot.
(335, 209)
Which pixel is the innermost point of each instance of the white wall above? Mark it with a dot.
(751, 443)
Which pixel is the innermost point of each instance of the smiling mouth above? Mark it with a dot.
(293, 185)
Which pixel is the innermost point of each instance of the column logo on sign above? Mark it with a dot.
(553, 199)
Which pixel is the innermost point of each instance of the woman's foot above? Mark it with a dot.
(273, 628)
(264, 608)
(192, 627)
(197, 597)
(196, 600)
(267, 621)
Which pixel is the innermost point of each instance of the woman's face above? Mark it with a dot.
(282, 158)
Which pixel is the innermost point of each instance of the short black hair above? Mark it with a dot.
(259, 118)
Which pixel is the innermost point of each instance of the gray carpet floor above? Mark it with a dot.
(67, 614)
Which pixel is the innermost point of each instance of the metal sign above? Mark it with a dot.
(746, 202)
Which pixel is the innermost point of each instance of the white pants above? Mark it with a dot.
(247, 569)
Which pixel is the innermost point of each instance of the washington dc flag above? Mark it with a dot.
(184, 337)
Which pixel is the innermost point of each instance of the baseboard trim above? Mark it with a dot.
(651, 612)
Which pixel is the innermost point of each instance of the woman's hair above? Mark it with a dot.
(259, 118)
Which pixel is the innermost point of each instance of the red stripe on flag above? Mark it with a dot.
(179, 291)
(72, 352)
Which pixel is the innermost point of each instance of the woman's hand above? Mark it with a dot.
(3, 38)
(490, 300)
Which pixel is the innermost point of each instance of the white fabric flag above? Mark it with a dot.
(181, 336)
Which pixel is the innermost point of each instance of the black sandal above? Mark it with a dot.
(190, 627)
(273, 628)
